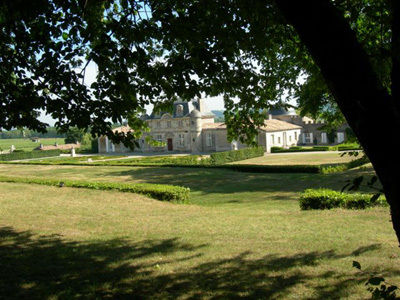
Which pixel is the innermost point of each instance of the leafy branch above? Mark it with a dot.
(377, 285)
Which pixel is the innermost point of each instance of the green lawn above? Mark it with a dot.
(27, 144)
(242, 236)
(304, 158)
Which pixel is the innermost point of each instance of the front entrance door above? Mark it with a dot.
(169, 144)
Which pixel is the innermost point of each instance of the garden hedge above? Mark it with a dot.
(301, 149)
(274, 169)
(29, 154)
(347, 166)
(316, 148)
(328, 199)
(156, 191)
(220, 158)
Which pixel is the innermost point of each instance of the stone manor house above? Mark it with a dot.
(191, 129)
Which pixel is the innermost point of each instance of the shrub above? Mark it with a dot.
(273, 169)
(328, 199)
(358, 162)
(156, 191)
(161, 161)
(349, 146)
(219, 158)
(29, 155)
(322, 148)
(347, 166)
(320, 199)
(303, 149)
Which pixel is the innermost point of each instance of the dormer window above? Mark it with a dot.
(179, 110)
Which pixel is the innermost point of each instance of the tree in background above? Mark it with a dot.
(26, 133)
(74, 135)
(250, 51)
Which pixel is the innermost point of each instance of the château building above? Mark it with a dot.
(190, 128)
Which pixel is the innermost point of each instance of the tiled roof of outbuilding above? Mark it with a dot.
(124, 129)
(278, 125)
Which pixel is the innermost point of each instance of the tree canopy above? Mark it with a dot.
(147, 52)
(330, 54)
(153, 52)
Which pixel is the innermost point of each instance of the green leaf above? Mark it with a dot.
(345, 187)
(375, 197)
(373, 180)
(356, 264)
(375, 280)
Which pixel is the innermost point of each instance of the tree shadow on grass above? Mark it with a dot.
(45, 267)
(219, 180)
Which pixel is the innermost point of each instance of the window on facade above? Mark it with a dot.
(179, 110)
(272, 139)
(181, 140)
(307, 138)
(169, 124)
(340, 137)
(279, 140)
(324, 137)
(158, 124)
(159, 138)
(295, 136)
(208, 140)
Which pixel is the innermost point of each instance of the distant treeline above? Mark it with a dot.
(26, 133)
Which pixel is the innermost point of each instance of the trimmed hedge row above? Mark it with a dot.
(29, 154)
(313, 169)
(349, 148)
(314, 148)
(274, 169)
(157, 191)
(328, 199)
(220, 158)
(347, 166)
(159, 161)
(301, 149)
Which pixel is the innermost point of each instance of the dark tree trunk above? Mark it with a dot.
(369, 109)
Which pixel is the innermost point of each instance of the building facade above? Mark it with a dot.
(311, 132)
(190, 128)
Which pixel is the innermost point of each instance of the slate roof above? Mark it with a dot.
(280, 111)
(187, 108)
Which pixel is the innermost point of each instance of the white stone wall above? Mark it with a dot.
(285, 138)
